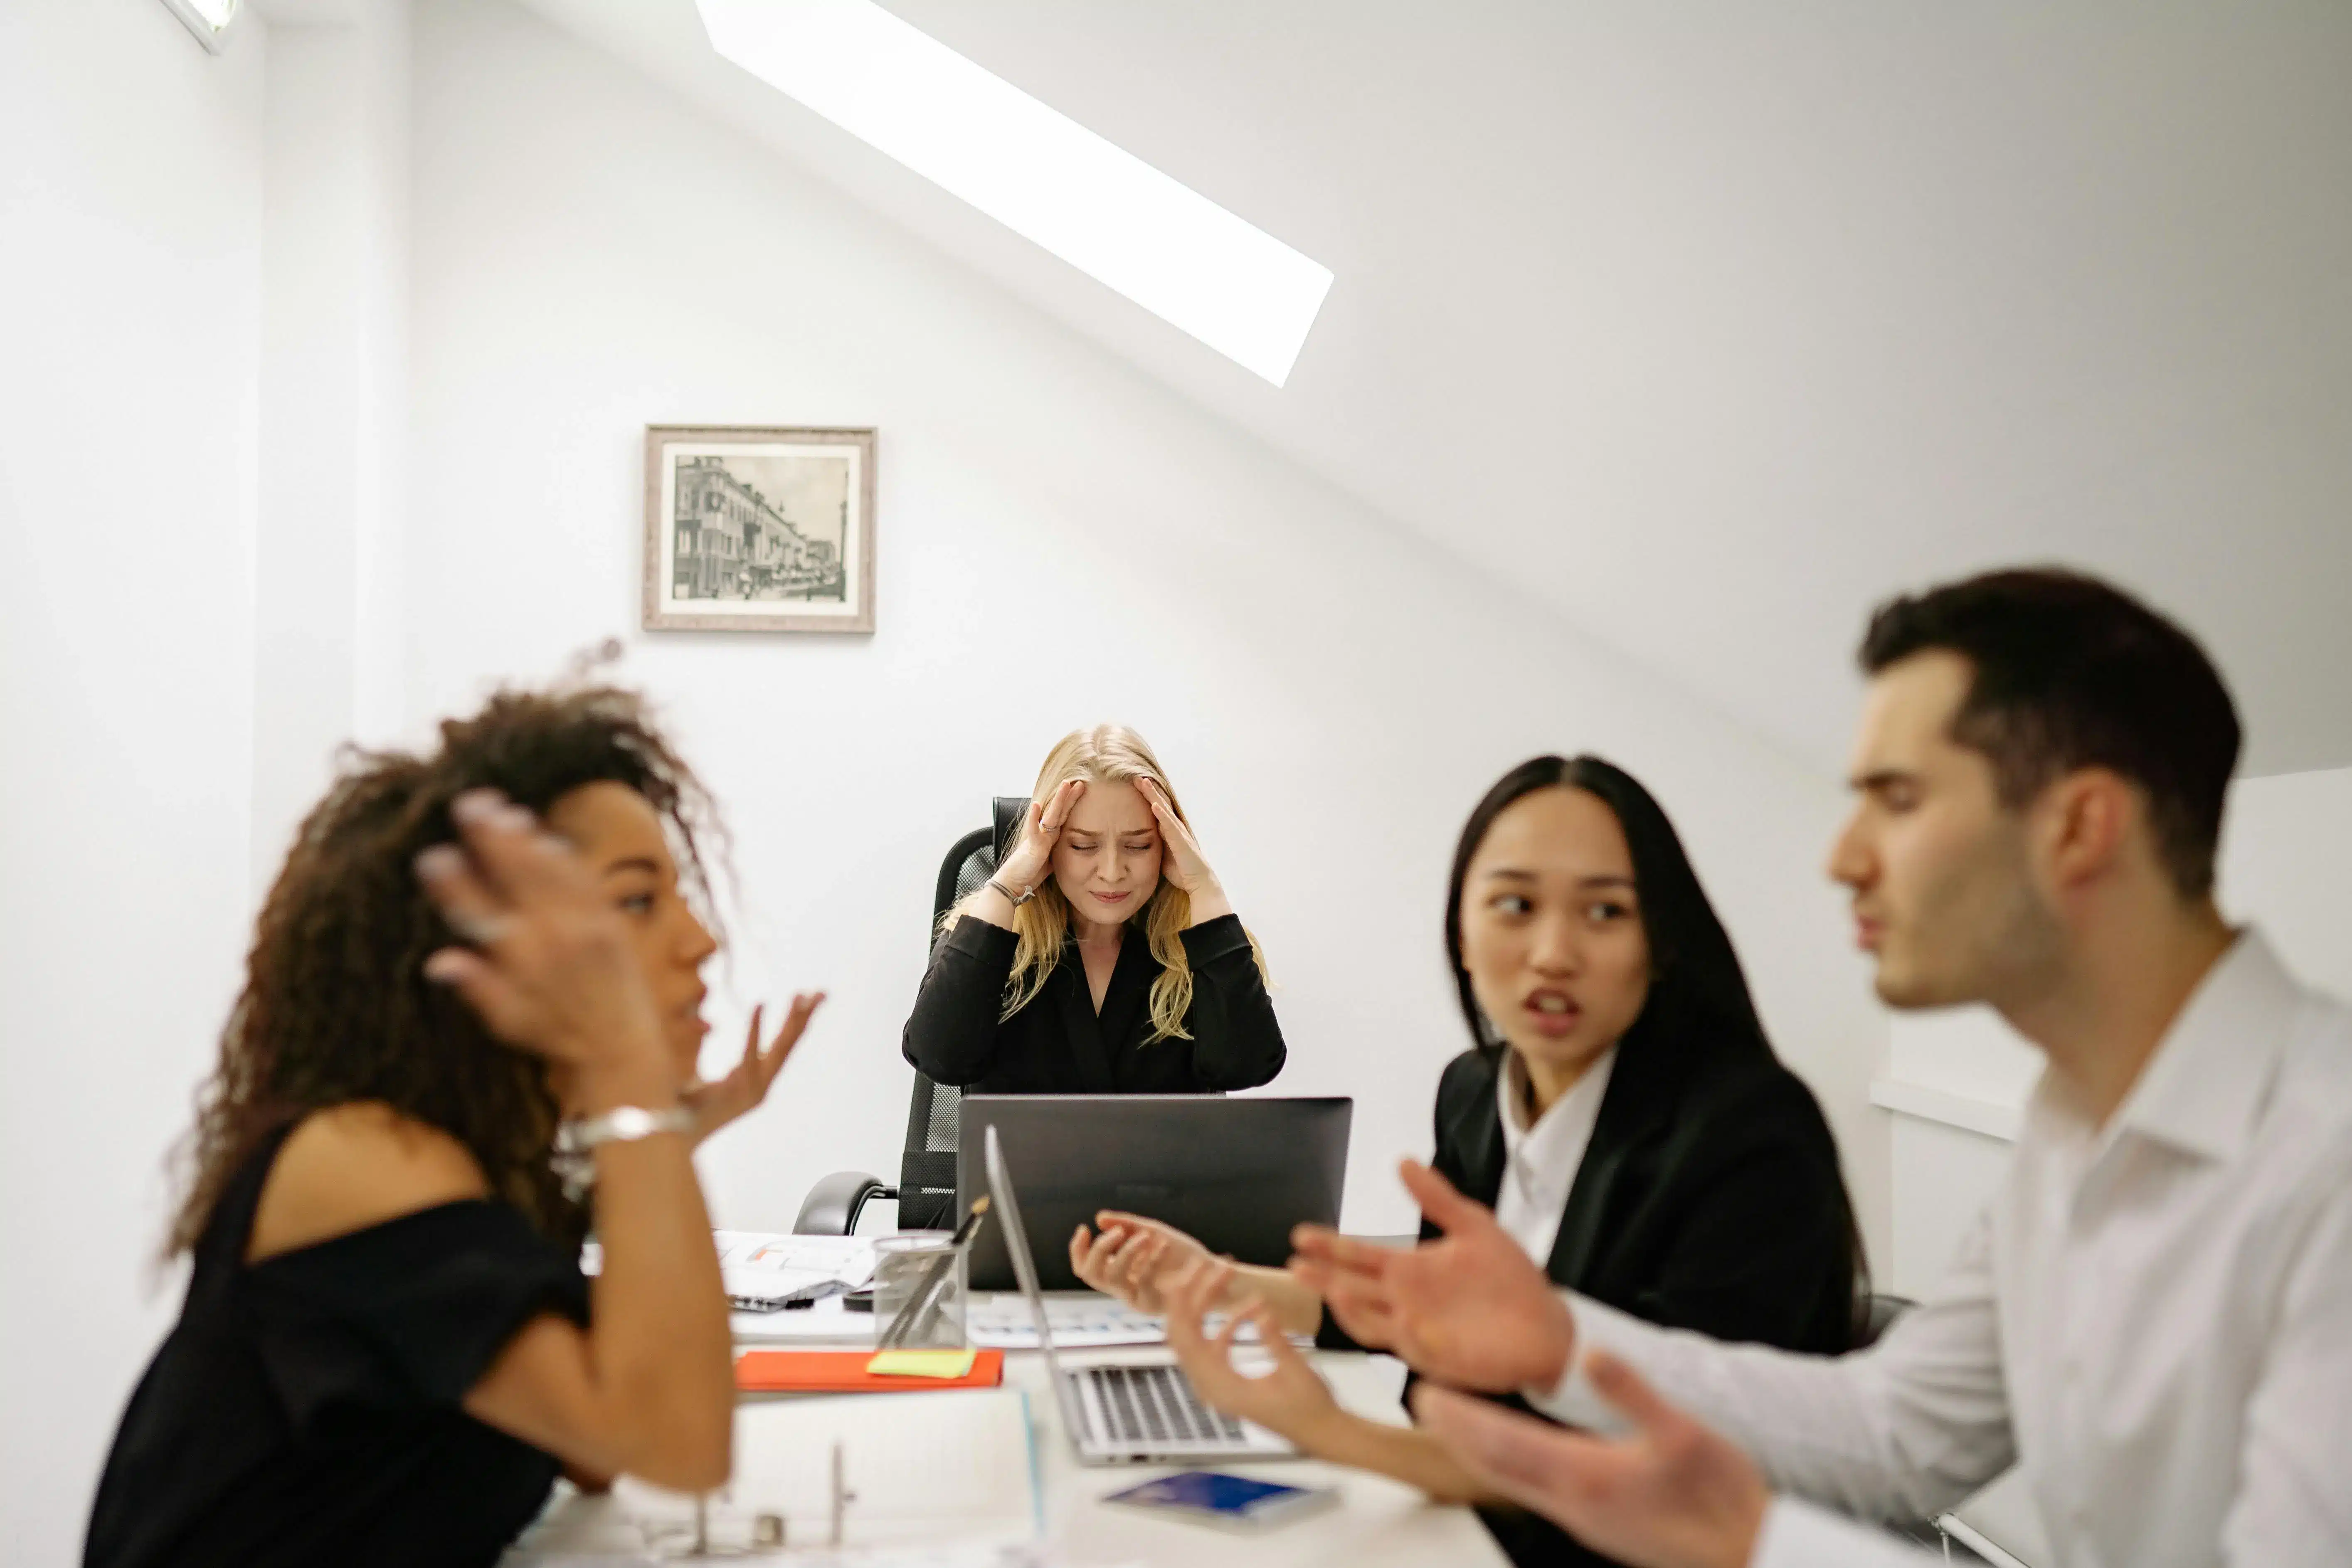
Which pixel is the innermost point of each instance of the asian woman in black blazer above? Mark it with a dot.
(1657, 1156)
(1103, 957)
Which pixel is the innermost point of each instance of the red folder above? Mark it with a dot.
(844, 1371)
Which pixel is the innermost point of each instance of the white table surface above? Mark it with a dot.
(1377, 1522)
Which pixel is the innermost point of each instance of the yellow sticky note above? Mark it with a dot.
(922, 1363)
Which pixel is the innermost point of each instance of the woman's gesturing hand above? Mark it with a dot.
(1134, 1258)
(1468, 1309)
(1669, 1493)
(1288, 1399)
(1031, 860)
(721, 1100)
(548, 963)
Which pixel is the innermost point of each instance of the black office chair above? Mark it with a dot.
(927, 1165)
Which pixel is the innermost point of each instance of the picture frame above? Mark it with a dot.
(759, 528)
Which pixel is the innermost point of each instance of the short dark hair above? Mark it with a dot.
(2071, 672)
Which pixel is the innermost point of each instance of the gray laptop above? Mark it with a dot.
(1124, 1414)
(1235, 1175)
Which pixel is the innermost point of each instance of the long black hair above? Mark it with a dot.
(1698, 994)
(1696, 986)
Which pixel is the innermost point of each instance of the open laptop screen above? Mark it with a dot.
(1007, 1204)
(1236, 1173)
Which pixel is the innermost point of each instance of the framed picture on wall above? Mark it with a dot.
(756, 530)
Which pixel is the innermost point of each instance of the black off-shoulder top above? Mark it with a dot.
(305, 1408)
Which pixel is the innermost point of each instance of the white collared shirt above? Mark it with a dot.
(2153, 1320)
(1540, 1163)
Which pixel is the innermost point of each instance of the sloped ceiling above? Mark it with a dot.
(1709, 325)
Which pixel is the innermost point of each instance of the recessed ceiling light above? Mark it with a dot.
(1041, 174)
(207, 19)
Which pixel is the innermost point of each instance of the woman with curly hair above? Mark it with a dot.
(476, 965)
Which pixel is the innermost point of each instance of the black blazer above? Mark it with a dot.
(1059, 1045)
(1709, 1198)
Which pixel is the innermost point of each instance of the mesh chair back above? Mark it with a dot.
(934, 1117)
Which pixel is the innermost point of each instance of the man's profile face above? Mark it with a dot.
(1941, 871)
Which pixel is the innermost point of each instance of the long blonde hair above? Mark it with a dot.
(1108, 753)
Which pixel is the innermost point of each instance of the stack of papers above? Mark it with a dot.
(1005, 1321)
(827, 1323)
(766, 1257)
(759, 1266)
(765, 1266)
(1081, 1322)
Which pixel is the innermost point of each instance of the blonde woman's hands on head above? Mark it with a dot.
(721, 1101)
(1671, 1493)
(1180, 861)
(1134, 1258)
(1288, 1398)
(1468, 1309)
(548, 966)
(1031, 860)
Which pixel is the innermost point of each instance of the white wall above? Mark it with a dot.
(131, 213)
(2286, 864)
(1061, 542)
(334, 402)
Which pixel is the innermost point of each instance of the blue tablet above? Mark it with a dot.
(1229, 1502)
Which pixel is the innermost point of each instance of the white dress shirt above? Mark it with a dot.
(1540, 1161)
(2152, 1320)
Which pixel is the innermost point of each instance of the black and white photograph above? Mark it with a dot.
(758, 530)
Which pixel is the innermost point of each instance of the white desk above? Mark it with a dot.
(1378, 1521)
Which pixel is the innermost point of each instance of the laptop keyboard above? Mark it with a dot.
(1145, 1406)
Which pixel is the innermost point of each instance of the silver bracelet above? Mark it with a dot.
(573, 1157)
(1009, 898)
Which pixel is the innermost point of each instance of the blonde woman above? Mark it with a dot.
(1103, 957)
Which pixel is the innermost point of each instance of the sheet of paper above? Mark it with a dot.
(1003, 1322)
(769, 1283)
(1081, 1322)
(848, 1258)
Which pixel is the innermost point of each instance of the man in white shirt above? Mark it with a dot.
(2153, 1317)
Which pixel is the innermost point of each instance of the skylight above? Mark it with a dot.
(1039, 173)
(207, 19)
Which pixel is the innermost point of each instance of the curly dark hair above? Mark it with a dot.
(335, 1007)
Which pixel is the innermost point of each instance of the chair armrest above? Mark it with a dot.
(833, 1205)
